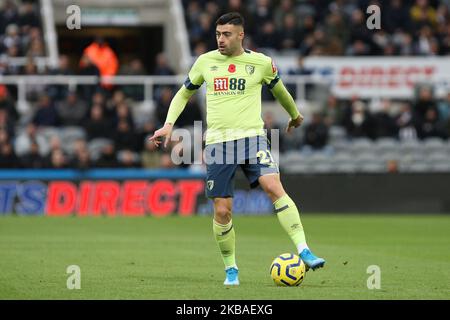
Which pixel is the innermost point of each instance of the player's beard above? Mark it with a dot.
(228, 50)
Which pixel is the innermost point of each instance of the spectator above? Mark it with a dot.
(333, 111)
(124, 137)
(58, 160)
(270, 125)
(290, 38)
(35, 89)
(285, 8)
(7, 104)
(423, 14)
(5, 123)
(166, 161)
(128, 159)
(46, 114)
(424, 103)
(150, 156)
(82, 160)
(28, 16)
(358, 122)
(4, 137)
(97, 126)
(395, 16)
(241, 7)
(102, 56)
(267, 36)
(11, 38)
(87, 68)
(431, 126)
(9, 14)
(385, 125)
(59, 92)
(33, 159)
(135, 68)
(406, 122)
(72, 111)
(112, 104)
(147, 129)
(444, 108)
(204, 31)
(163, 104)
(123, 113)
(29, 136)
(108, 158)
(301, 70)
(316, 133)
(162, 67)
(8, 158)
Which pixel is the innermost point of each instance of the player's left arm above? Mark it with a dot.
(279, 91)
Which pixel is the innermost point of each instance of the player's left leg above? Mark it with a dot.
(225, 237)
(289, 218)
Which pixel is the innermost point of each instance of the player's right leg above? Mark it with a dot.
(225, 238)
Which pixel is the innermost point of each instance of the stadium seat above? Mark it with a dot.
(72, 133)
(441, 167)
(96, 145)
(361, 145)
(337, 134)
(341, 146)
(385, 145)
(372, 167)
(297, 168)
(432, 145)
(419, 167)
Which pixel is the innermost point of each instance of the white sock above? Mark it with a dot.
(301, 247)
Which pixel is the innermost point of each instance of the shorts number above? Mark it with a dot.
(266, 156)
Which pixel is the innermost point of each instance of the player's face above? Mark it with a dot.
(229, 39)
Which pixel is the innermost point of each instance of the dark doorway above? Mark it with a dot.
(128, 42)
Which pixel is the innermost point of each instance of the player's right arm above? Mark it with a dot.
(193, 82)
(279, 91)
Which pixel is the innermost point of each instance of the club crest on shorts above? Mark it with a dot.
(210, 184)
(250, 69)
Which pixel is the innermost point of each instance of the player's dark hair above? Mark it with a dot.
(233, 18)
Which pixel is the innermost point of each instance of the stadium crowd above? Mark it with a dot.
(95, 126)
(323, 27)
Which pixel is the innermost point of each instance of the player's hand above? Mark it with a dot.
(165, 132)
(294, 123)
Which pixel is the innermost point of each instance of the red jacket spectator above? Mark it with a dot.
(101, 54)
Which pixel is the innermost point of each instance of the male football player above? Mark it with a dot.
(234, 77)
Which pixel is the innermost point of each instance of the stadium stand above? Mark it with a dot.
(106, 125)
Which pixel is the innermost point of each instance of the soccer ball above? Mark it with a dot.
(287, 270)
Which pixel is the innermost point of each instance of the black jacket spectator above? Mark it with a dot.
(97, 126)
(316, 133)
(46, 114)
(108, 158)
(33, 159)
(8, 158)
(72, 111)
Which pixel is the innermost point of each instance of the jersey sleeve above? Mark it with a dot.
(270, 76)
(195, 77)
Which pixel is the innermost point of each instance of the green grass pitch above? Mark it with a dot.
(177, 258)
